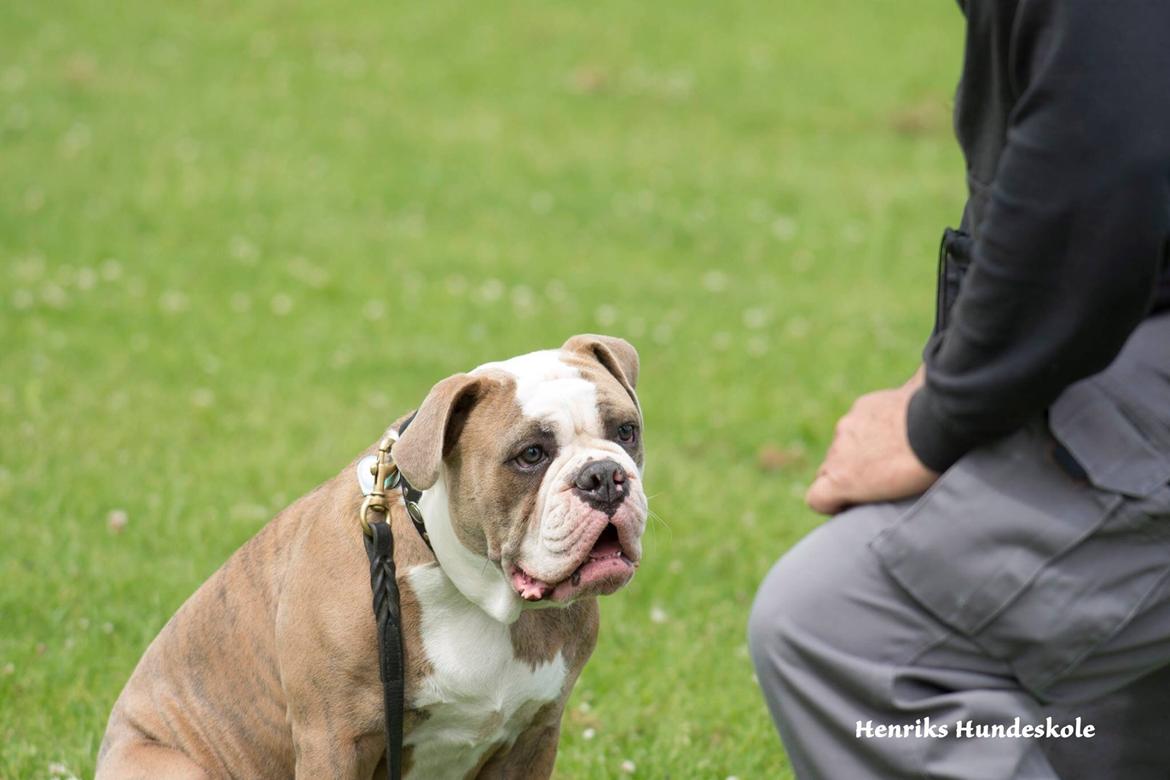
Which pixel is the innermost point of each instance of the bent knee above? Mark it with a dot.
(148, 761)
(786, 607)
(822, 586)
(127, 756)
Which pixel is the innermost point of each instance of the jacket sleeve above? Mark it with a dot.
(1067, 257)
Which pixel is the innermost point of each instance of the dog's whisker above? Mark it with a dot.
(655, 516)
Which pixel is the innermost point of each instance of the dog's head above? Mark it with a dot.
(532, 470)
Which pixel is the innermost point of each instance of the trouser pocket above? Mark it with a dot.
(1034, 566)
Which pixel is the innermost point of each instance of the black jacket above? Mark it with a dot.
(1063, 114)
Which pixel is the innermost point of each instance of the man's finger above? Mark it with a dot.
(824, 496)
(830, 454)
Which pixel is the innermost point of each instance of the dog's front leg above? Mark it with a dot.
(534, 752)
(328, 660)
(336, 726)
(334, 706)
(322, 753)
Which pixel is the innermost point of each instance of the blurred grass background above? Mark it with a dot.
(236, 241)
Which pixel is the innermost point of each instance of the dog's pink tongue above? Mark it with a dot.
(529, 588)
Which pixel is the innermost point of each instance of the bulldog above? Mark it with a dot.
(531, 478)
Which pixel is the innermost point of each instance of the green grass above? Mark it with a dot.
(235, 241)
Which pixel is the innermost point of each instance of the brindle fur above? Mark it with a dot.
(270, 668)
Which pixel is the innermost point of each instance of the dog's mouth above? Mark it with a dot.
(605, 569)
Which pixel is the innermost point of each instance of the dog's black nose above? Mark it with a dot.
(603, 485)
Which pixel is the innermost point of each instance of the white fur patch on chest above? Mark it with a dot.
(478, 694)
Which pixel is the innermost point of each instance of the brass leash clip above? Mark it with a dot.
(386, 476)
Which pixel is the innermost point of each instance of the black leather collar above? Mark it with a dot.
(411, 496)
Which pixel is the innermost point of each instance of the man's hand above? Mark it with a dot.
(870, 458)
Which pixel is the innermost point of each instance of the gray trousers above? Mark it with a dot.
(1032, 580)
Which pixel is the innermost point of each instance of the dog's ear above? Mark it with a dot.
(419, 452)
(618, 357)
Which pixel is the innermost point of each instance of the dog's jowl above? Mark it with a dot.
(532, 498)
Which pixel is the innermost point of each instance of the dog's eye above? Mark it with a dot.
(627, 432)
(531, 455)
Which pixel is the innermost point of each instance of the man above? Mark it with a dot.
(1034, 571)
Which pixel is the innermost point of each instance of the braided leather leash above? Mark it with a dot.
(374, 516)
